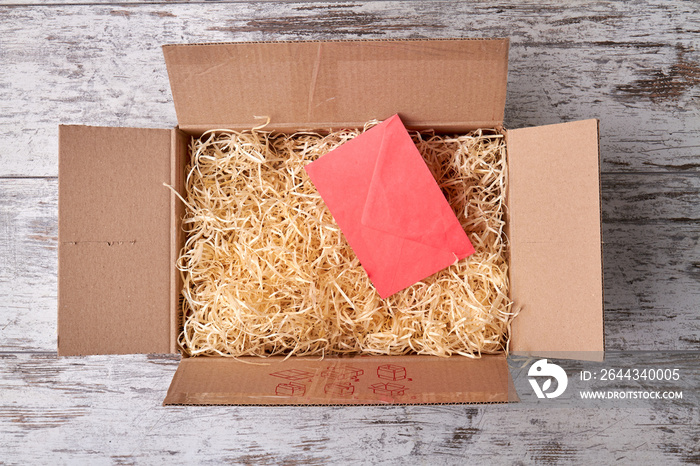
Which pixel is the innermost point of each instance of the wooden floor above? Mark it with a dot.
(634, 65)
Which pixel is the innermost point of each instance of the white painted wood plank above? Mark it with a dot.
(107, 410)
(634, 65)
(28, 264)
(138, 2)
(651, 259)
(651, 274)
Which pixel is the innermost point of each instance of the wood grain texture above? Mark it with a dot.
(28, 264)
(635, 65)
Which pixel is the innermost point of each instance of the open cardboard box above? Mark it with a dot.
(120, 234)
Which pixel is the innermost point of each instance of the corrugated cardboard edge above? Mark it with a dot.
(323, 77)
(360, 380)
(323, 127)
(179, 155)
(540, 329)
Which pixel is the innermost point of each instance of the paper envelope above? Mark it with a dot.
(392, 212)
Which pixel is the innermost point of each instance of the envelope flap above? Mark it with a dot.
(403, 197)
(450, 85)
(114, 256)
(555, 239)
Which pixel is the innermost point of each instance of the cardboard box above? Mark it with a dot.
(120, 235)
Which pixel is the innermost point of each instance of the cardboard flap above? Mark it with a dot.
(449, 85)
(347, 380)
(555, 239)
(114, 253)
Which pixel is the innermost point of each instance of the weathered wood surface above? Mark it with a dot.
(102, 410)
(635, 65)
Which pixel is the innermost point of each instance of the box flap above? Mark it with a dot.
(347, 380)
(114, 255)
(448, 85)
(555, 240)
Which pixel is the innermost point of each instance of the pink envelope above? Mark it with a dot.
(387, 203)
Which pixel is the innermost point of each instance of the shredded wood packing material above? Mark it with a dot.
(267, 271)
